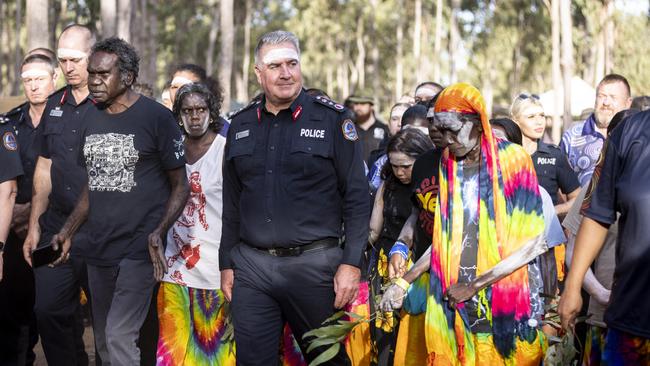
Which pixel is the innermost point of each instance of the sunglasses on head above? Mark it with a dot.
(526, 96)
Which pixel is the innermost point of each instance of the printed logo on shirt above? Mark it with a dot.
(378, 133)
(546, 161)
(9, 141)
(242, 134)
(426, 194)
(349, 131)
(195, 204)
(180, 149)
(110, 160)
(56, 112)
(309, 132)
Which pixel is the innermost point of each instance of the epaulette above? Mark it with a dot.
(250, 105)
(329, 103)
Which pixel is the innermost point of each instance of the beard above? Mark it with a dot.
(603, 117)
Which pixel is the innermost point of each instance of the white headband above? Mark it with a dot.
(34, 73)
(66, 53)
(180, 81)
(278, 54)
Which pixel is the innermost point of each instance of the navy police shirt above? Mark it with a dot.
(11, 168)
(621, 184)
(293, 178)
(553, 170)
(29, 139)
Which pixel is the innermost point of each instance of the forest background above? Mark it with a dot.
(382, 48)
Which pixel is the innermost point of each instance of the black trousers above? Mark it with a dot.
(58, 312)
(17, 331)
(269, 291)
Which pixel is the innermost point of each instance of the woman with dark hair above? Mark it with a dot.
(391, 209)
(190, 303)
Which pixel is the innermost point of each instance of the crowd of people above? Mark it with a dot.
(167, 226)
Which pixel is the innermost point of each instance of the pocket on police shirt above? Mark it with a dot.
(241, 151)
(309, 156)
(51, 133)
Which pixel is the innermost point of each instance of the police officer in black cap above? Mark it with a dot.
(370, 129)
(293, 175)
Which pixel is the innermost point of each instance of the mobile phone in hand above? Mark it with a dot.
(45, 255)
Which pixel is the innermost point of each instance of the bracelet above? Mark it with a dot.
(402, 283)
(399, 248)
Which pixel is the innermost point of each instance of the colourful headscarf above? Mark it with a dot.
(510, 214)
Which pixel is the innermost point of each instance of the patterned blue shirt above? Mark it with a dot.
(374, 176)
(582, 144)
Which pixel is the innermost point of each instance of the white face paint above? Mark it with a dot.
(402, 166)
(34, 73)
(69, 53)
(279, 54)
(458, 131)
(195, 129)
(179, 81)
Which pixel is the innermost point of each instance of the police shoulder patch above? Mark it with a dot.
(349, 130)
(243, 109)
(329, 103)
(9, 141)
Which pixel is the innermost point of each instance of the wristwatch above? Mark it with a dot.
(2, 246)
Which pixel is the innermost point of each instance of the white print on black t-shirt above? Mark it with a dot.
(178, 146)
(110, 160)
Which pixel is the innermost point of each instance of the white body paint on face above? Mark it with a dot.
(69, 53)
(179, 81)
(402, 166)
(34, 73)
(194, 129)
(279, 54)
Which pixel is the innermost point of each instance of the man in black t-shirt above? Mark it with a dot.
(619, 185)
(371, 131)
(136, 188)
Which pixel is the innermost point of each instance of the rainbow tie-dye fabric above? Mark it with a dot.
(510, 214)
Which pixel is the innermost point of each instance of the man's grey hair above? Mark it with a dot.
(276, 37)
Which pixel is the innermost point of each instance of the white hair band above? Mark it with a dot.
(278, 54)
(69, 53)
(34, 73)
(180, 81)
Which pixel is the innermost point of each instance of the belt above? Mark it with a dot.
(298, 250)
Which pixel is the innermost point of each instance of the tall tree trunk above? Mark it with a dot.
(567, 58)
(38, 27)
(242, 94)
(515, 75)
(609, 35)
(417, 39)
(212, 38)
(399, 50)
(108, 9)
(454, 39)
(329, 70)
(227, 44)
(4, 45)
(18, 52)
(152, 41)
(374, 55)
(556, 70)
(124, 12)
(361, 54)
(437, 42)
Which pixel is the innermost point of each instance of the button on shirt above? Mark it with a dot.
(622, 187)
(582, 144)
(293, 178)
(553, 171)
(9, 155)
(29, 145)
(63, 125)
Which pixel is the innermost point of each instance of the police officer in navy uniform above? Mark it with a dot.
(293, 175)
(373, 134)
(37, 76)
(12, 328)
(553, 170)
(58, 180)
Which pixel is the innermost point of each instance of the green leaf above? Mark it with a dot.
(326, 355)
(354, 316)
(320, 342)
(334, 317)
(335, 331)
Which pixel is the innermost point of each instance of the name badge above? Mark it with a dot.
(56, 112)
(242, 134)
